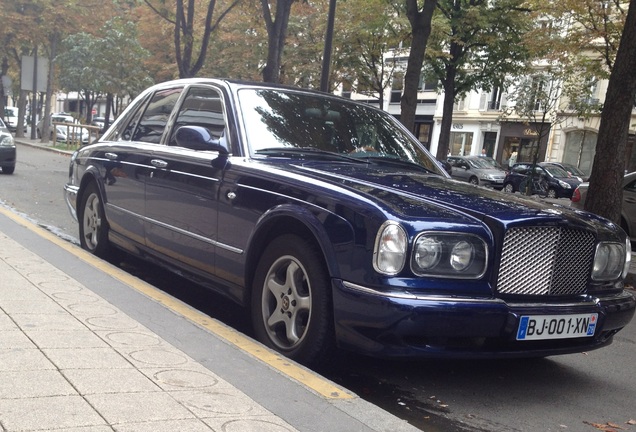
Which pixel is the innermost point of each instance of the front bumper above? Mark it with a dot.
(70, 196)
(396, 325)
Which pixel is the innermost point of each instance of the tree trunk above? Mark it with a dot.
(606, 193)
(421, 29)
(276, 35)
(443, 145)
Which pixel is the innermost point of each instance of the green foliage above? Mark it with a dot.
(108, 64)
(477, 43)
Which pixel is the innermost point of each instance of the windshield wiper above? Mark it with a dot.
(306, 151)
(397, 162)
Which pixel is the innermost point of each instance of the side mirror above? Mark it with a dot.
(198, 138)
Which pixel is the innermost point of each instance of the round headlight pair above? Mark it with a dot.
(448, 255)
(428, 253)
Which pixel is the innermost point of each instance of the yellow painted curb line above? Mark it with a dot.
(304, 376)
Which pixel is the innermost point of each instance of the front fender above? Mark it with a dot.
(331, 232)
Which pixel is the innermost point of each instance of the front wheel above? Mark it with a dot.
(291, 301)
(473, 180)
(92, 223)
(508, 187)
(552, 193)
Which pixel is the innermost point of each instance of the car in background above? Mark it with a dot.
(55, 118)
(71, 134)
(7, 150)
(335, 227)
(559, 183)
(628, 209)
(99, 122)
(572, 170)
(11, 119)
(478, 170)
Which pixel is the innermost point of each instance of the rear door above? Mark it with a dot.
(126, 161)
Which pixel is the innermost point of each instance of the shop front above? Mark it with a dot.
(519, 142)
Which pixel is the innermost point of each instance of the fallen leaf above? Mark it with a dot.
(603, 427)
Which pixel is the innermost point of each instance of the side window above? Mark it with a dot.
(203, 107)
(154, 120)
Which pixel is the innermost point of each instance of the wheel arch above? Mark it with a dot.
(303, 223)
(89, 176)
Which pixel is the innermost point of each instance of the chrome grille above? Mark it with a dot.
(545, 261)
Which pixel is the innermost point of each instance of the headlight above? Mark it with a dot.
(564, 185)
(609, 261)
(6, 140)
(628, 257)
(451, 255)
(390, 249)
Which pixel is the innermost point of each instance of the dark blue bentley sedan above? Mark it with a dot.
(336, 228)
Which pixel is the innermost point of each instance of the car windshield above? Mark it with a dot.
(573, 170)
(483, 162)
(556, 171)
(277, 121)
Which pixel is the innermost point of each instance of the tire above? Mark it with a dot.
(8, 170)
(508, 187)
(473, 180)
(291, 301)
(93, 227)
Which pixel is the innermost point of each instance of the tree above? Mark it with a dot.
(79, 68)
(369, 43)
(276, 35)
(120, 63)
(477, 44)
(605, 192)
(420, 19)
(187, 39)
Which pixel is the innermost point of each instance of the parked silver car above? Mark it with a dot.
(478, 170)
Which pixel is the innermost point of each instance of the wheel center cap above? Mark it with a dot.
(285, 303)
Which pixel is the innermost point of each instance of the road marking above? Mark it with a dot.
(300, 374)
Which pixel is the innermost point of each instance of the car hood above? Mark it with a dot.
(572, 181)
(419, 195)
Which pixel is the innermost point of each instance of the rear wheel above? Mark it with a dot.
(93, 226)
(8, 169)
(291, 301)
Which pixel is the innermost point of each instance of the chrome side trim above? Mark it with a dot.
(180, 231)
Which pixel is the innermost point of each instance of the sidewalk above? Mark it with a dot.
(81, 350)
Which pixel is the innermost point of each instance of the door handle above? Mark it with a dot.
(111, 156)
(158, 163)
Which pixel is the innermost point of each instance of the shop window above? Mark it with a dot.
(461, 143)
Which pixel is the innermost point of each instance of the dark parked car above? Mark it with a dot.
(557, 182)
(337, 228)
(572, 170)
(7, 150)
(628, 209)
(478, 170)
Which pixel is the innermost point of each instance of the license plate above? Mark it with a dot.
(537, 327)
